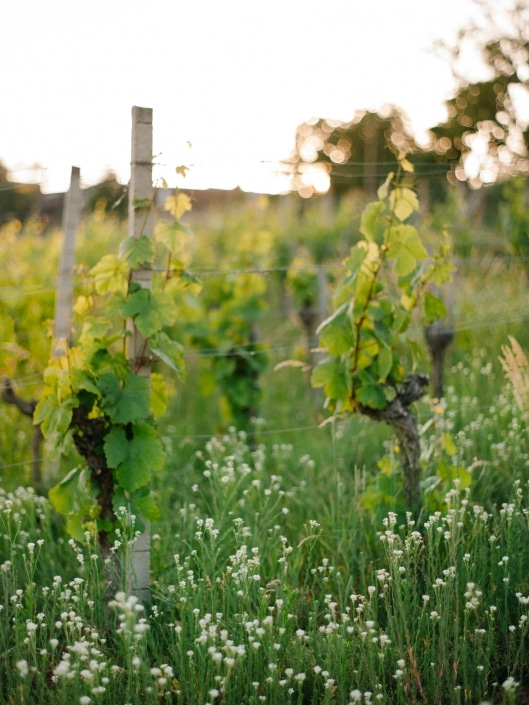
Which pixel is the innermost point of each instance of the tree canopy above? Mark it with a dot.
(486, 131)
(484, 139)
(16, 200)
(346, 154)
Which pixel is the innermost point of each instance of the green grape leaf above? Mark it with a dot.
(141, 503)
(54, 416)
(406, 247)
(367, 350)
(372, 396)
(434, 308)
(151, 311)
(76, 498)
(333, 375)
(145, 454)
(137, 302)
(442, 273)
(136, 251)
(134, 403)
(371, 226)
(353, 265)
(75, 528)
(64, 495)
(336, 332)
(131, 474)
(416, 350)
(405, 262)
(407, 236)
(384, 363)
(146, 504)
(168, 351)
(116, 447)
(164, 306)
(124, 402)
(94, 329)
(109, 387)
(115, 364)
(83, 379)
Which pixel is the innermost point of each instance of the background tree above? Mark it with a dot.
(17, 201)
(351, 154)
(485, 134)
(108, 196)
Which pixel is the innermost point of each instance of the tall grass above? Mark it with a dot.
(271, 584)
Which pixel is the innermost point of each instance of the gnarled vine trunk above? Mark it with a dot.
(88, 437)
(28, 409)
(398, 415)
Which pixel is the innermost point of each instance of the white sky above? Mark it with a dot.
(233, 77)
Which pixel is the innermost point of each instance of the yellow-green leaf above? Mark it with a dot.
(110, 274)
(175, 237)
(371, 226)
(372, 396)
(159, 395)
(403, 202)
(83, 305)
(178, 205)
(75, 528)
(434, 308)
(404, 262)
(384, 363)
(385, 466)
(449, 446)
(182, 170)
(334, 377)
(383, 190)
(336, 332)
(63, 496)
(136, 251)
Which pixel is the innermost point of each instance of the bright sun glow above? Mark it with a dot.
(234, 79)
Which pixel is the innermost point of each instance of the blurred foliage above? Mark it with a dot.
(487, 110)
(353, 154)
(490, 302)
(107, 196)
(17, 201)
(514, 217)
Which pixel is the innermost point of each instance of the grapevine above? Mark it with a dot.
(385, 280)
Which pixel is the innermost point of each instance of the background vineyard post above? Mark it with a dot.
(63, 302)
(64, 298)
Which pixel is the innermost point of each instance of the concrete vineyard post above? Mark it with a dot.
(141, 223)
(70, 224)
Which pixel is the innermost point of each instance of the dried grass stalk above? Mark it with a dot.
(516, 368)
